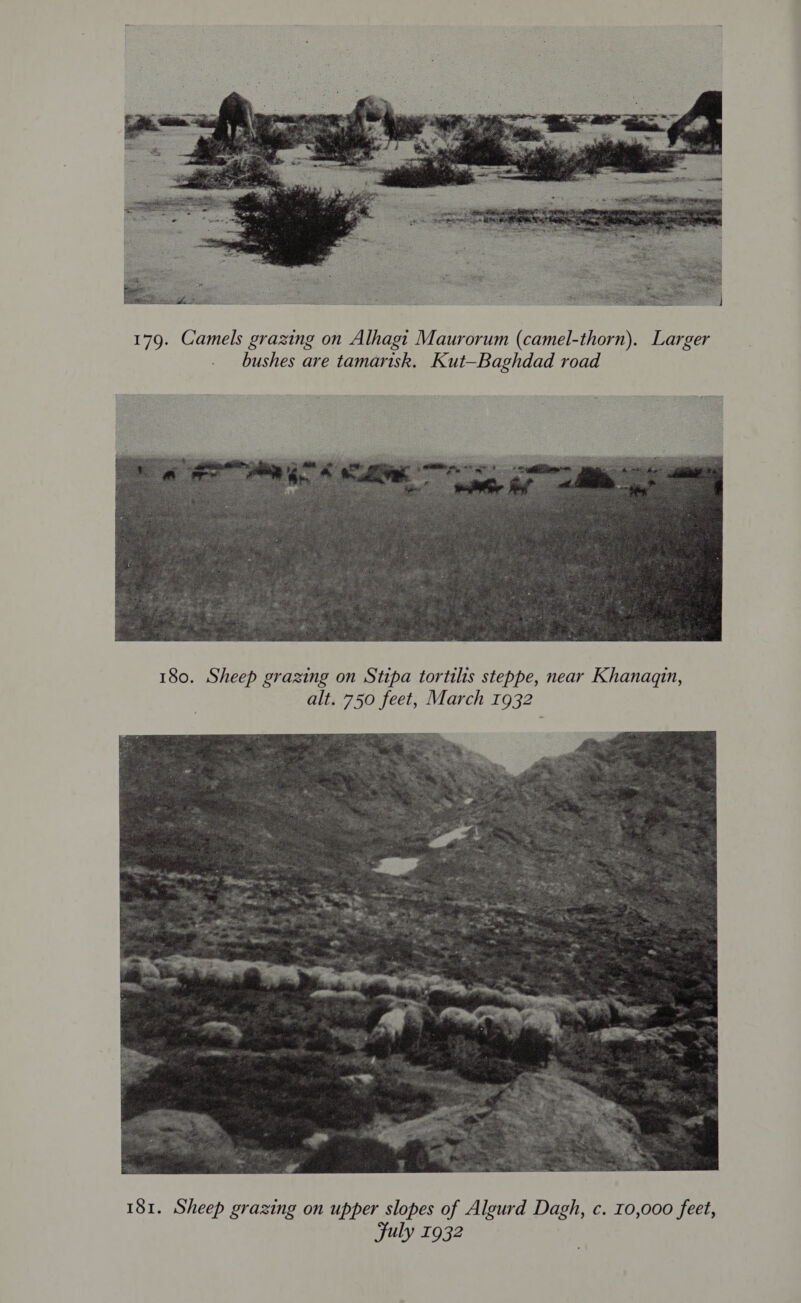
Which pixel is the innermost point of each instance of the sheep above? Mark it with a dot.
(561, 1006)
(446, 993)
(457, 1022)
(348, 997)
(594, 1014)
(616, 1038)
(384, 1003)
(539, 1036)
(135, 968)
(387, 1033)
(485, 995)
(413, 1024)
(381, 984)
(220, 1033)
(500, 1029)
(288, 977)
(635, 1015)
(171, 966)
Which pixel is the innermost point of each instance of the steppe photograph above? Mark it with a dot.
(429, 519)
(382, 953)
(423, 165)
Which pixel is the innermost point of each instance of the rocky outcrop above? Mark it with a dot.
(169, 1140)
(539, 1123)
(135, 1068)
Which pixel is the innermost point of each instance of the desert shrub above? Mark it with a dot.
(343, 143)
(603, 119)
(136, 123)
(246, 169)
(558, 122)
(409, 125)
(527, 135)
(445, 123)
(625, 156)
(273, 134)
(209, 151)
(299, 224)
(640, 124)
(550, 163)
(483, 143)
(170, 120)
(698, 140)
(432, 171)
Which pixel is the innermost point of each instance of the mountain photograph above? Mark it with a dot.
(377, 952)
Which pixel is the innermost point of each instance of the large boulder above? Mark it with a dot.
(135, 1067)
(168, 1140)
(539, 1123)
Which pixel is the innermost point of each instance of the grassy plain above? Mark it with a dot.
(237, 560)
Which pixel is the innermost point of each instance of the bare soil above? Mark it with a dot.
(613, 238)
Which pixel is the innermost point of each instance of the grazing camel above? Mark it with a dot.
(373, 109)
(235, 111)
(709, 105)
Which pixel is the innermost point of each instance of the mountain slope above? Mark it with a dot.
(251, 803)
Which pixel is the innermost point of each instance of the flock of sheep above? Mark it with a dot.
(398, 1010)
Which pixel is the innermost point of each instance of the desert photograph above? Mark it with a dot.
(383, 953)
(429, 519)
(423, 165)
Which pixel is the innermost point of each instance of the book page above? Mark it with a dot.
(395, 693)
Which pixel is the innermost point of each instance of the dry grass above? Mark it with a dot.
(236, 560)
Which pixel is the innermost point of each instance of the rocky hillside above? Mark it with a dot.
(589, 872)
(632, 818)
(259, 803)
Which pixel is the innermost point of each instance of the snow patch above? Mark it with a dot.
(395, 867)
(445, 839)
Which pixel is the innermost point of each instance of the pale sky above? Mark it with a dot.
(517, 751)
(422, 69)
(347, 427)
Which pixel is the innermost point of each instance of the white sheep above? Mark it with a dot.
(454, 1021)
(500, 1029)
(539, 1036)
(220, 1033)
(387, 1033)
(595, 1014)
(137, 967)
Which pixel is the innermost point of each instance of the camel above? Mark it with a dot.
(709, 105)
(235, 111)
(373, 109)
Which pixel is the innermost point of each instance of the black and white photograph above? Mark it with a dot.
(428, 519)
(423, 165)
(412, 952)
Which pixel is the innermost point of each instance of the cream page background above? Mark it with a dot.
(70, 692)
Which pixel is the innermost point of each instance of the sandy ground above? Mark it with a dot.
(447, 245)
